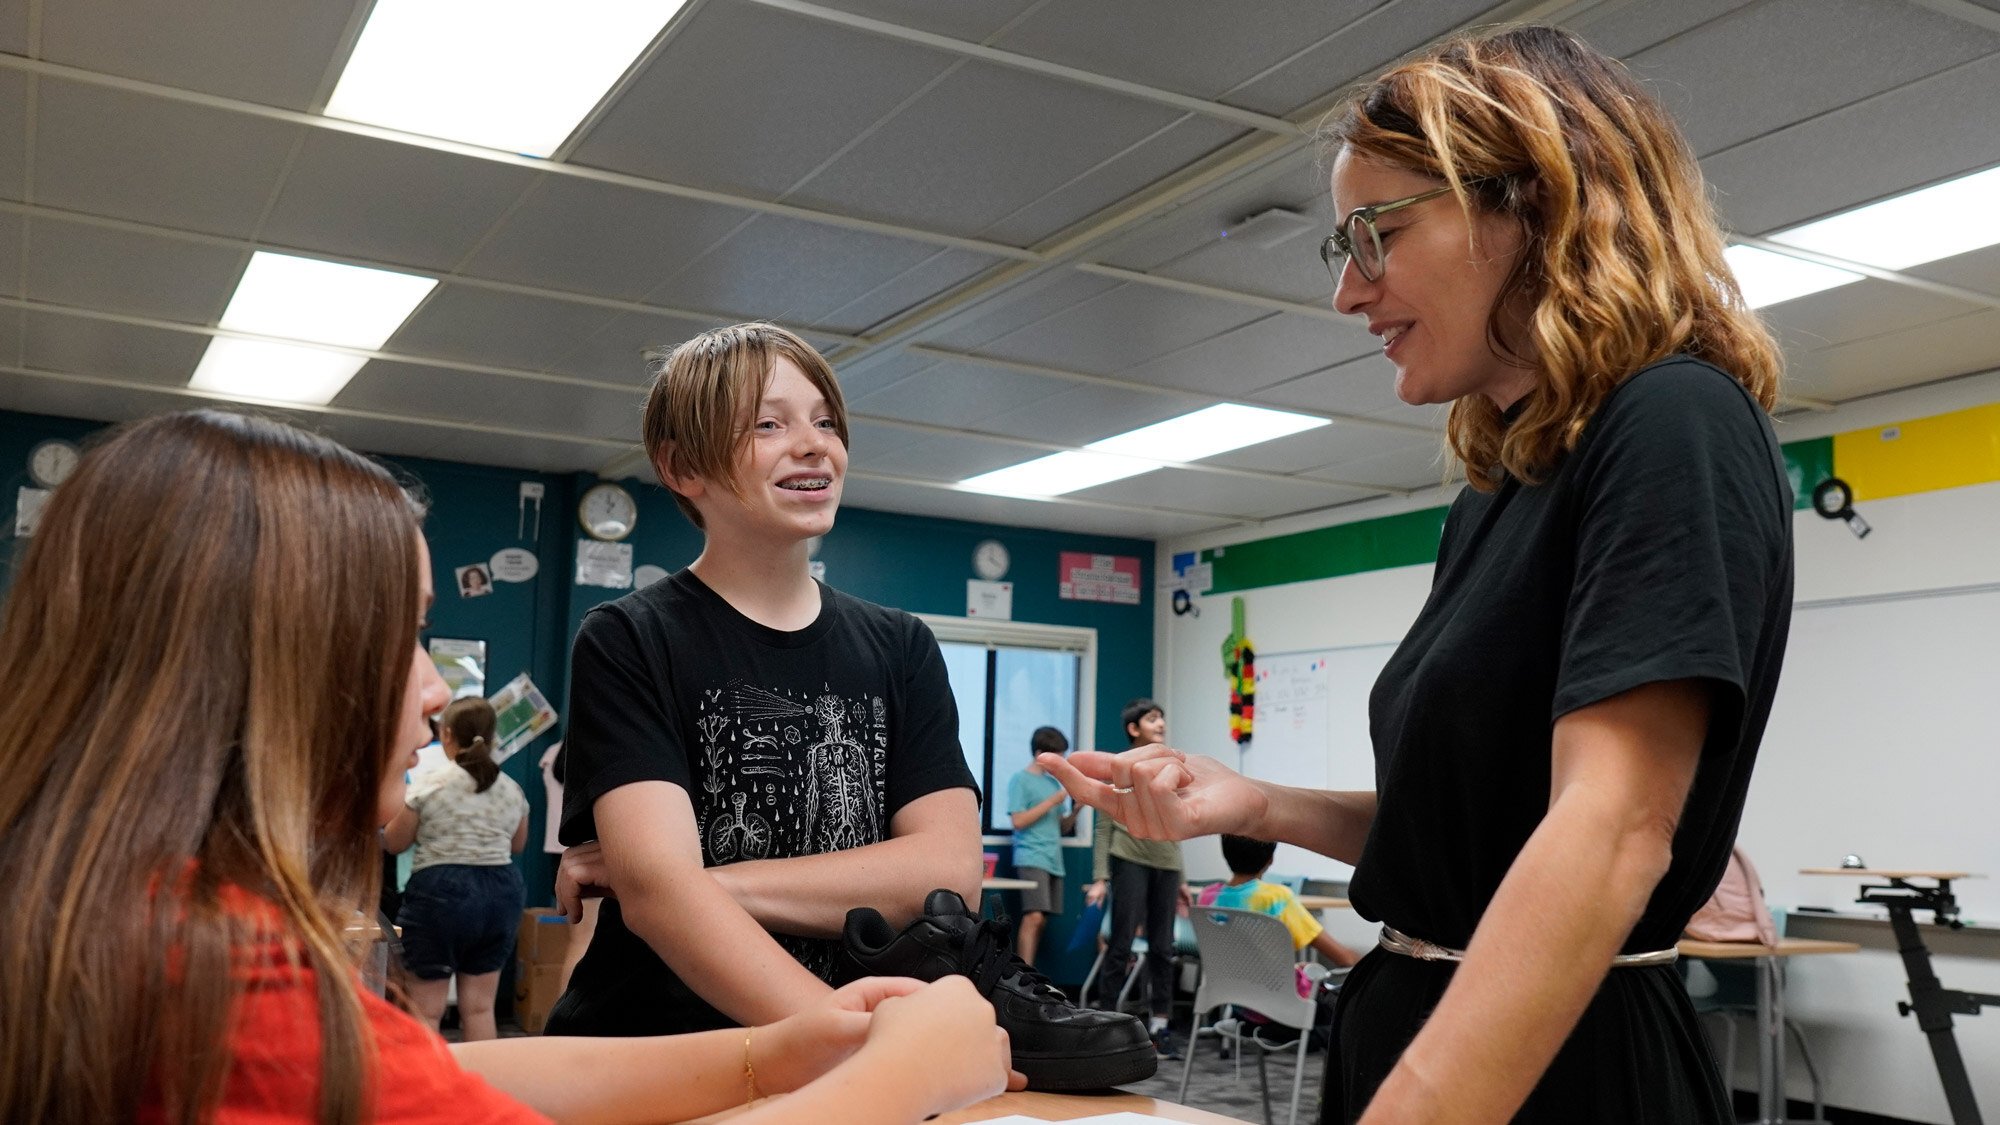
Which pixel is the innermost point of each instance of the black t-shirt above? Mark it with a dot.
(787, 743)
(1659, 549)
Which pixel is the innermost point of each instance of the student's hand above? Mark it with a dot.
(795, 1050)
(1187, 899)
(1093, 895)
(942, 1044)
(582, 874)
(1167, 795)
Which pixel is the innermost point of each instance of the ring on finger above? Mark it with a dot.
(1124, 791)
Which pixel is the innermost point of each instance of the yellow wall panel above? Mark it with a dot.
(1921, 455)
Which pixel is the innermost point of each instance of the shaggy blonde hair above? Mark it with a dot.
(1622, 263)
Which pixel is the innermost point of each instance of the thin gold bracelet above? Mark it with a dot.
(750, 1092)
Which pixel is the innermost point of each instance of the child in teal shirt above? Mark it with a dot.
(1033, 799)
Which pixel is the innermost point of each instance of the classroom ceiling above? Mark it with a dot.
(999, 218)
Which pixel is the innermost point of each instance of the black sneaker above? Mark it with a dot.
(1057, 1045)
(1164, 1045)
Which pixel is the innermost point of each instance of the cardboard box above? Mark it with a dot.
(543, 937)
(535, 992)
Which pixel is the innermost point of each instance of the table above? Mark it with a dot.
(1770, 1006)
(1001, 883)
(1069, 1107)
(1323, 902)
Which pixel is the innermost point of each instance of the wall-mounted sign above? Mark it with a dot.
(1084, 577)
(514, 564)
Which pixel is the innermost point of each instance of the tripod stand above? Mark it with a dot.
(1931, 1002)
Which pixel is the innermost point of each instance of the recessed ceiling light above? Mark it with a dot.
(308, 300)
(1768, 278)
(516, 75)
(268, 371)
(1207, 432)
(1190, 437)
(1910, 229)
(1057, 474)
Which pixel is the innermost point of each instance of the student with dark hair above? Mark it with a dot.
(463, 902)
(1246, 889)
(1143, 878)
(1564, 739)
(1033, 801)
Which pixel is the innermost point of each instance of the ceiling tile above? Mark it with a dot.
(1719, 83)
(255, 50)
(980, 146)
(1927, 131)
(13, 333)
(616, 351)
(1364, 387)
(1043, 297)
(106, 152)
(1112, 179)
(1190, 236)
(459, 396)
(1242, 361)
(12, 232)
(790, 270)
(1372, 39)
(1089, 413)
(1853, 312)
(117, 271)
(1978, 270)
(1416, 466)
(889, 496)
(936, 275)
(867, 441)
(13, 133)
(1121, 328)
(975, 22)
(796, 92)
(949, 458)
(116, 351)
(503, 329)
(1961, 345)
(392, 203)
(958, 394)
(1213, 492)
(603, 239)
(14, 26)
(547, 456)
(1624, 28)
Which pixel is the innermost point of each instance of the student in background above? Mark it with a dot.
(1033, 802)
(463, 901)
(1246, 889)
(1143, 878)
(1564, 739)
(217, 683)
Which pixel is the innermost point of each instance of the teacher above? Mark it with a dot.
(1564, 737)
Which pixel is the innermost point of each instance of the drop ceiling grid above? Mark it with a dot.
(1274, 348)
(1088, 413)
(948, 504)
(946, 458)
(108, 152)
(1120, 328)
(255, 50)
(13, 134)
(1375, 38)
(1210, 492)
(499, 329)
(1719, 83)
(1363, 387)
(1856, 311)
(957, 394)
(1961, 345)
(120, 271)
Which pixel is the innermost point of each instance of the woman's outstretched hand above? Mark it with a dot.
(1159, 793)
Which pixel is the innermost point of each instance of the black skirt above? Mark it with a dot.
(1637, 1057)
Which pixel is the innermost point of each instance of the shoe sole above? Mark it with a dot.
(1088, 1072)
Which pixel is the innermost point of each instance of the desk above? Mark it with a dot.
(1323, 902)
(1770, 1006)
(1000, 883)
(1069, 1107)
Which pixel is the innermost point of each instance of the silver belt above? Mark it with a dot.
(1396, 941)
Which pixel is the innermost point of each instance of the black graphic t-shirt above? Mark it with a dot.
(787, 743)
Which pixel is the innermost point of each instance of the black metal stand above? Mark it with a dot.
(1931, 1002)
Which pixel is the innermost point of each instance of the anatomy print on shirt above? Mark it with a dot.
(789, 773)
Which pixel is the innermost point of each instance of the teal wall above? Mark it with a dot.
(911, 562)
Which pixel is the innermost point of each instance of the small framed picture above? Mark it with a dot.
(474, 581)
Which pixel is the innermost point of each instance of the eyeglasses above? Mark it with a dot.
(1357, 238)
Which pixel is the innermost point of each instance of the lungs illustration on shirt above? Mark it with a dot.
(789, 773)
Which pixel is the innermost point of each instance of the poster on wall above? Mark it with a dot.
(28, 505)
(474, 581)
(520, 712)
(514, 564)
(603, 564)
(1084, 577)
(461, 664)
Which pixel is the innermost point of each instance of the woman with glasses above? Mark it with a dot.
(1564, 738)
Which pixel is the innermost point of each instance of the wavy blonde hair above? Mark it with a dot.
(1622, 262)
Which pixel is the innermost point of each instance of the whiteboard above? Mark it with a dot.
(1884, 742)
(1311, 730)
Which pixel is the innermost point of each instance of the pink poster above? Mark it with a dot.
(1084, 577)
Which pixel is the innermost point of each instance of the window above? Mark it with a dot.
(1009, 678)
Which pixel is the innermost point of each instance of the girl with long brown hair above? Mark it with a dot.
(214, 687)
(1564, 737)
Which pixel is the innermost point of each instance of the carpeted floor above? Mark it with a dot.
(1215, 1085)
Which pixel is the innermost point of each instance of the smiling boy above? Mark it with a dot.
(755, 752)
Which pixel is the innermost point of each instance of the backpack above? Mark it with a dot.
(1736, 911)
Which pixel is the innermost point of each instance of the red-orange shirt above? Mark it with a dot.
(275, 1056)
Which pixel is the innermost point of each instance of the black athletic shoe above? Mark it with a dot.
(1057, 1045)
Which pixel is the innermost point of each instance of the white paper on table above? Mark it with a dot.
(1014, 1119)
(1127, 1118)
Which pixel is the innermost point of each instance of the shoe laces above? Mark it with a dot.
(987, 956)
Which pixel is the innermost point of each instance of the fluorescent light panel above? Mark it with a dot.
(1920, 226)
(1190, 437)
(1767, 278)
(516, 75)
(307, 300)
